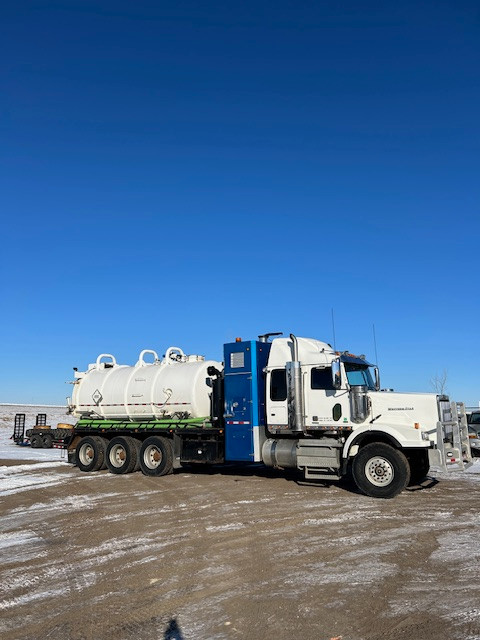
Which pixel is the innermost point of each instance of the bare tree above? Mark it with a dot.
(439, 382)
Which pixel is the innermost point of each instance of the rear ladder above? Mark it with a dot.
(19, 428)
(41, 420)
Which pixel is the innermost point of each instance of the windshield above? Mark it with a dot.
(474, 418)
(359, 374)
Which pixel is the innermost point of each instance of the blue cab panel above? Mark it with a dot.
(244, 398)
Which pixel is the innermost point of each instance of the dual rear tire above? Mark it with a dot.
(90, 453)
(122, 455)
(156, 456)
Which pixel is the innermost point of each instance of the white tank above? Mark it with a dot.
(158, 389)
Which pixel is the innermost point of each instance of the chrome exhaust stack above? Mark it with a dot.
(296, 418)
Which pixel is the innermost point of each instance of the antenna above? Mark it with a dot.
(375, 344)
(333, 328)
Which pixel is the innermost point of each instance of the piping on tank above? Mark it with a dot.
(177, 385)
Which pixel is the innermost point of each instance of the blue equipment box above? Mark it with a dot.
(244, 399)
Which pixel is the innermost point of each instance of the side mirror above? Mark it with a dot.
(377, 379)
(336, 374)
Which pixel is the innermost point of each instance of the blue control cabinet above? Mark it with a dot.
(244, 397)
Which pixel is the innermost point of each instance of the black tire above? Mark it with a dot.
(380, 470)
(419, 467)
(122, 455)
(47, 441)
(156, 456)
(138, 445)
(90, 453)
(36, 442)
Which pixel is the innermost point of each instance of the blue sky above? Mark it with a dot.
(185, 173)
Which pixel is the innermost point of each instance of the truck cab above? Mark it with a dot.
(325, 414)
(327, 377)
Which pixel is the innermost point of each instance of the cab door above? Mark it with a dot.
(324, 405)
(276, 393)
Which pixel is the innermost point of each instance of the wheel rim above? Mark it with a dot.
(152, 456)
(118, 456)
(379, 471)
(86, 454)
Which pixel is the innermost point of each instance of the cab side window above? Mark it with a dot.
(322, 379)
(278, 385)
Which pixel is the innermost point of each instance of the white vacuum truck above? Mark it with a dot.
(289, 403)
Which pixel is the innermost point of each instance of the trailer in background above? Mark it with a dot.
(41, 436)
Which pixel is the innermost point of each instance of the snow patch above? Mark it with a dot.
(30, 597)
(20, 546)
(16, 538)
(227, 527)
(26, 482)
(19, 468)
(457, 547)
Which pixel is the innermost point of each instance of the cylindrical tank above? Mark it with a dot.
(178, 384)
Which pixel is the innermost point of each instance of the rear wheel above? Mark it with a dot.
(380, 470)
(90, 453)
(47, 441)
(156, 456)
(137, 444)
(36, 442)
(122, 455)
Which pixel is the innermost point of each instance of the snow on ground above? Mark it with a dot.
(55, 414)
(11, 451)
(211, 548)
(17, 478)
(23, 477)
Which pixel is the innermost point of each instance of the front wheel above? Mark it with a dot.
(380, 470)
(156, 456)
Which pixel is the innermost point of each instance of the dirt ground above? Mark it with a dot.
(234, 554)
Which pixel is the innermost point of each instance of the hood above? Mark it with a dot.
(406, 409)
